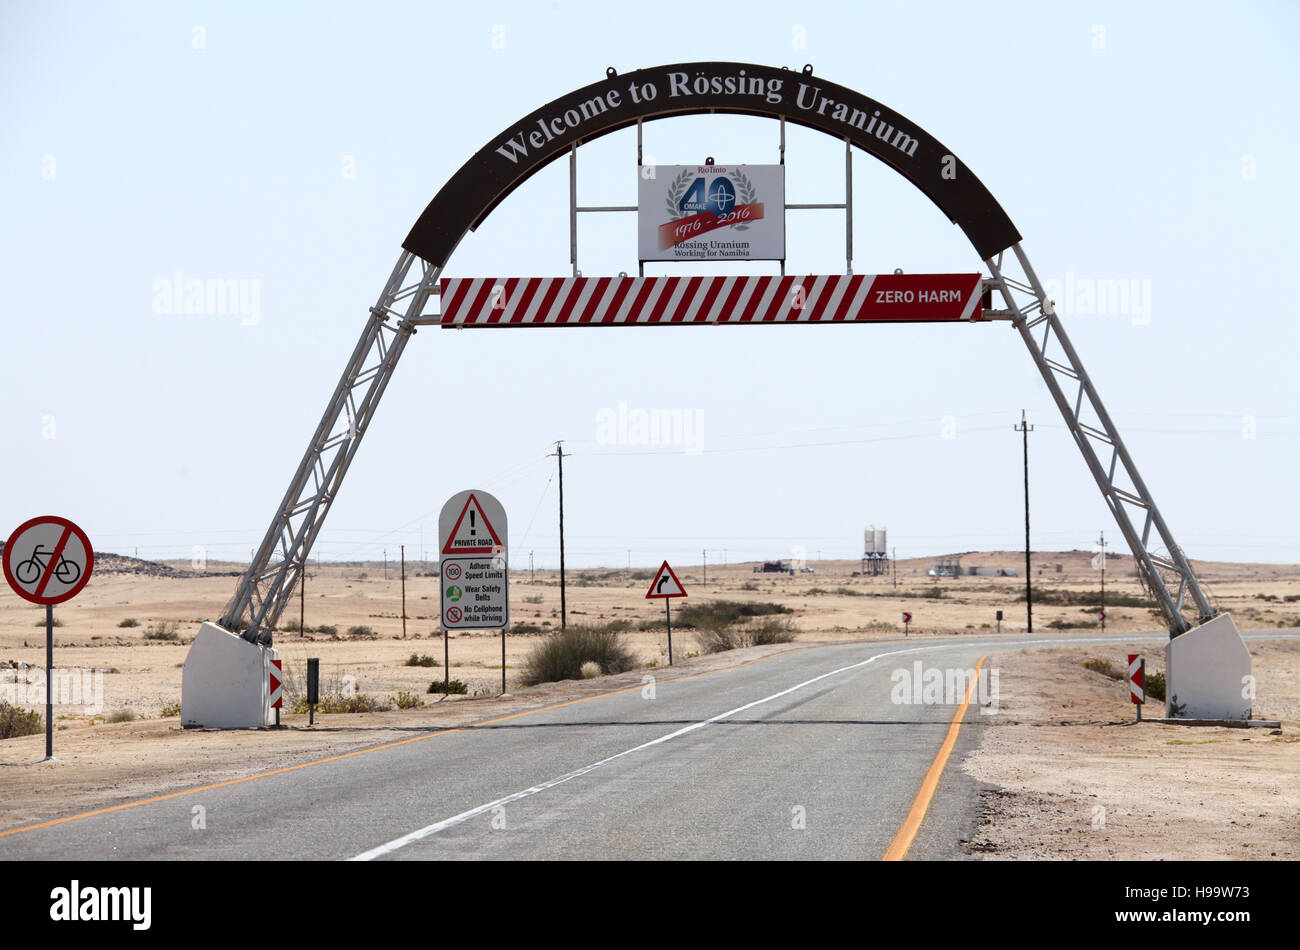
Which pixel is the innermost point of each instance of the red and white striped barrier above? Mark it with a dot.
(646, 301)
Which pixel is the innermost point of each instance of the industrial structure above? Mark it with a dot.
(875, 551)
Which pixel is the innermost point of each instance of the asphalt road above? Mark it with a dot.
(803, 755)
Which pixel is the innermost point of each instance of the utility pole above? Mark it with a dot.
(302, 599)
(629, 559)
(530, 567)
(403, 591)
(1102, 541)
(1025, 428)
(705, 555)
(385, 563)
(895, 559)
(559, 454)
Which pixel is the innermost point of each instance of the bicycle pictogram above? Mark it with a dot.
(30, 570)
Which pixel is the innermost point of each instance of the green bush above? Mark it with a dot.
(1072, 625)
(421, 660)
(407, 700)
(171, 708)
(362, 631)
(453, 688)
(1104, 667)
(724, 613)
(122, 715)
(356, 703)
(328, 629)
(718, 639)
(129, 622)
(772, 630)
(1155, 686)
(16, 721)
(561, 655)
(721, 639)
(162, 630)
(1084, 598)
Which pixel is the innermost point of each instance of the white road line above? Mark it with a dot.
(464, 816)
(433, 829)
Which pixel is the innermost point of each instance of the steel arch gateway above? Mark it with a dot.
(621, 101)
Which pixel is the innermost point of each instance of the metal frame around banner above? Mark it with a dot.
(846, 205)
(268, 585)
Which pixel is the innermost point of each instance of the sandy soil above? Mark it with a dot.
(105, 762)
(1077, 778)
(142, 675)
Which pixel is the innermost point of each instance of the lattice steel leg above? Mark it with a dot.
(1121, 485)
(267, 586)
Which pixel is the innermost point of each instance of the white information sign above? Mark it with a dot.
(474, 582)
(711, 213)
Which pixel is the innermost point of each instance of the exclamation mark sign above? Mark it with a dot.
(471, 522)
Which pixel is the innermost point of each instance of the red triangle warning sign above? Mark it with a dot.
(665, 584)
(473, 533)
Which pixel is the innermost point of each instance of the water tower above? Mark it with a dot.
(875, 551)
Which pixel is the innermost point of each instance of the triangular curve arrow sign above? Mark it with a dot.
(665, 584)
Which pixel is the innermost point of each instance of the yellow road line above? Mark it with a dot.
(897, 849)
(389, 745)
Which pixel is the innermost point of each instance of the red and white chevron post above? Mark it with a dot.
(1137, 676)
(685, 301)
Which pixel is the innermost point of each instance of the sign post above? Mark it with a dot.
(275, 683)
(474, 579)
(907, 623)
(665, 587)
(48, 560)
(1137, 677)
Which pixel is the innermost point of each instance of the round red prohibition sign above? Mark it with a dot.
(453, 615)
(453, 572)
(48, 560)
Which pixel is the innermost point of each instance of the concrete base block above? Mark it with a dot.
(226, 682)
(1208, 673)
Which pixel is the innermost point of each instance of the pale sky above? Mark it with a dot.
(292, 146)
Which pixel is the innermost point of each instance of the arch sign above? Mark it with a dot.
(1205, 656)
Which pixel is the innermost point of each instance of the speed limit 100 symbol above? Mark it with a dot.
(453, 572)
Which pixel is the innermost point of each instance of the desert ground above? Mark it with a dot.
(1044, 777)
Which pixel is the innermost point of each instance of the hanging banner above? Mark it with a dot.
(711, 212)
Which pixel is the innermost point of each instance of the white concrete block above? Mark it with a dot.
(1208, 673)
(225, 682)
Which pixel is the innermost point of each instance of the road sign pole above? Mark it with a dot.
(668, 612)
(49, 682)
(446, 661)
(503, 661)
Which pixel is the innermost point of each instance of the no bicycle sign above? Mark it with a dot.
(48, 560)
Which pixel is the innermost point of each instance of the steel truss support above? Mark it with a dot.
(269, 583)
(1167, 574)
